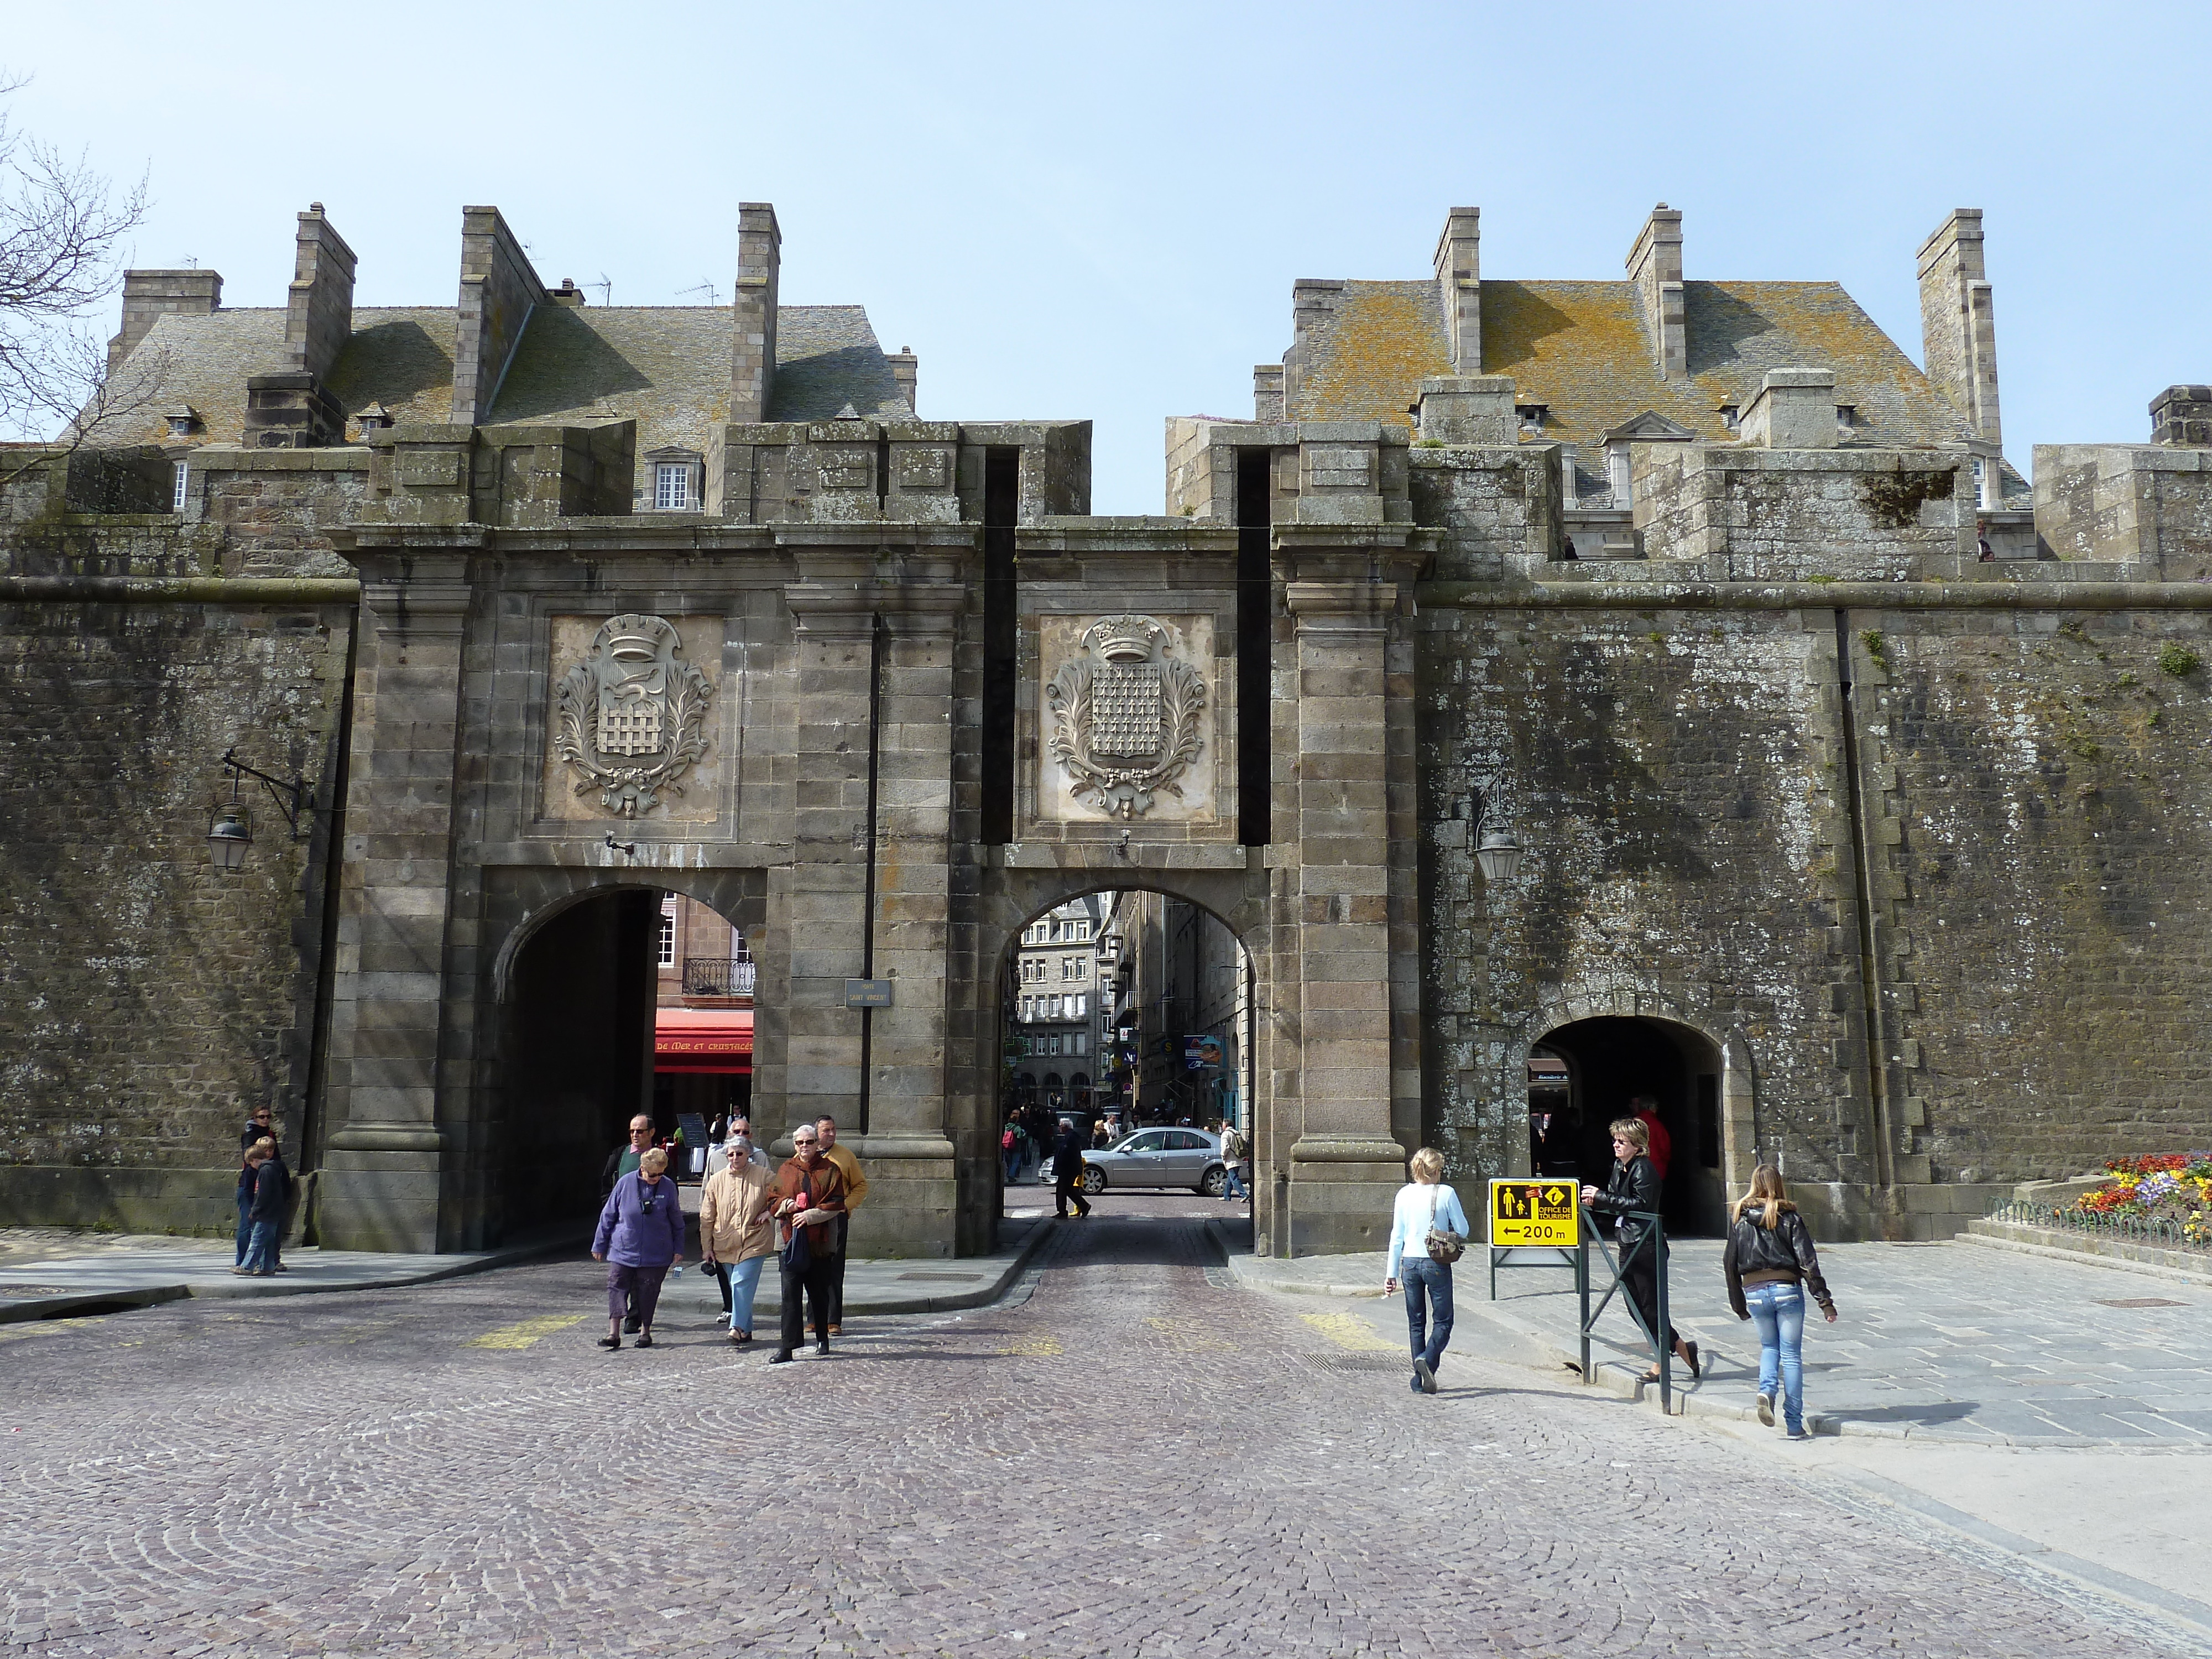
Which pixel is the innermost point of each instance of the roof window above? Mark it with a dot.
(677, 477)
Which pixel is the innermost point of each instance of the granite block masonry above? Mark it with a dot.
(1859, 855)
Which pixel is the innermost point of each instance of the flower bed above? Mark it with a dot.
(2166, 1195)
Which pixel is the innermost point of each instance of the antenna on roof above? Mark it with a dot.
(605, 287)
(706, 287)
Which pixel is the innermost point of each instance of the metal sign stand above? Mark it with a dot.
(1655, 1240)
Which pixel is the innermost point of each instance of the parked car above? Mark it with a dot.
(1158, 1158)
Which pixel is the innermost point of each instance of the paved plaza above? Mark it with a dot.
(1129, 1455)
(1959, 1340)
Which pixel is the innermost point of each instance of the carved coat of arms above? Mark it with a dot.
(1125, 714)
(631, 717)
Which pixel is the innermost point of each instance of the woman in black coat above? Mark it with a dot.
(1635, 1186)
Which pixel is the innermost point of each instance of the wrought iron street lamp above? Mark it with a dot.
(232, 832)
(1496, 849)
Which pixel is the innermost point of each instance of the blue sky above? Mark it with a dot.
(1097, 212)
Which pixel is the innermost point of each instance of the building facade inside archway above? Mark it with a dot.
(1554, 688)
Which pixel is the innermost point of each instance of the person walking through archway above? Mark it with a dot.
(641, 1233)
(1770, 1263)
(1067, 1172)
(810, 1196)
(737, 1230)
(1634, 1187)
(623, 1161)
(856, 1188)
(1645, 1110)
(1428, 1231)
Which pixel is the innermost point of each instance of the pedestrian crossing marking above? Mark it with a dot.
(1189, 1336)
(1349, 1333)
(528, 1332)
(1039, 1345)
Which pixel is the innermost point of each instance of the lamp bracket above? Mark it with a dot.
(294, 798)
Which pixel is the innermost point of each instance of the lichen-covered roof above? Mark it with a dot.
(668, 367)
(1584, 351)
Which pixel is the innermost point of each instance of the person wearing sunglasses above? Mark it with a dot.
(640, 1232)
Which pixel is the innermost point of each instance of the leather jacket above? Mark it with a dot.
(1782, 1254)
(1635, 1186)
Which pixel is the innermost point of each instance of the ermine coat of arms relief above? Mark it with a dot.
(630, 719)
(1124, 714)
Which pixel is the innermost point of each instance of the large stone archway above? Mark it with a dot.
(834, 801)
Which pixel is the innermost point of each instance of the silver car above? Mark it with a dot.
(1158, 1158)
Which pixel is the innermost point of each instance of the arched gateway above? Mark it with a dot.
(858, 734)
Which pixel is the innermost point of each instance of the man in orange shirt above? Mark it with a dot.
(856, 1188)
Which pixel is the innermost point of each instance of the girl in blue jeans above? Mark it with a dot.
(1423, 1204)
(1771, 1264)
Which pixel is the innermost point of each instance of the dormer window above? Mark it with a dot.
(375, 418)
(676, 478)
(1847, 417)
(183, 420)
(1533, 416)
(1728, 412)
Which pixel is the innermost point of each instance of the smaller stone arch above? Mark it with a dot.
(1706, 1101)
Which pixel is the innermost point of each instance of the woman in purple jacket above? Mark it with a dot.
(640, 1232)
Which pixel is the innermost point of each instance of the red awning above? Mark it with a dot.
(697, 1040)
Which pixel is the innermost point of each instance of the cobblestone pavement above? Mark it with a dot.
(1131, 1458)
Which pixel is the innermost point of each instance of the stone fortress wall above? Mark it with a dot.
(1909, 838)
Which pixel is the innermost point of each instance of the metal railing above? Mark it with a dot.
(718, 976)
(1652, 1244)
(2167, 1231)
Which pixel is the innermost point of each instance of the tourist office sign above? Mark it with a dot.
(1534, 1212)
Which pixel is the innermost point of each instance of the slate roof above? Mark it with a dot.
(666, 366)
(1583, 350)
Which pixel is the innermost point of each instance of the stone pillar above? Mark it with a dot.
(319, 313)
(384, 1159)
(1337, 907)
(837, 606)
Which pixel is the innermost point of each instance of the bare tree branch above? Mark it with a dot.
(62, 230)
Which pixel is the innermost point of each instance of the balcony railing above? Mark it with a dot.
(718, 976)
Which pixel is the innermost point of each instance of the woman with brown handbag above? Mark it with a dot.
(1428, 1231)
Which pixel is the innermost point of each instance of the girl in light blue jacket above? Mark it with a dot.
(1424, 1203)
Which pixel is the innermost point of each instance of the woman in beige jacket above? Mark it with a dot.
(737, 1230)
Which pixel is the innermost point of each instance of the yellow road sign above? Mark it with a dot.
(1535, 1213)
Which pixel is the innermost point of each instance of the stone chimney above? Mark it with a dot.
(752, 350)
(148, 295)
(1795, 409)
(499, 290)
(1459, 286)
(1655, 266)
(1958, 322)
(1468, 409)
(319, 319)
(2182, 415)
(906, 369)
(1266, 391)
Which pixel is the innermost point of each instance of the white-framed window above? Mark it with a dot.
(181, 478)
(668, 955)
(1081, 1007)
(1052, 1044)
(671, 487)
(1079, 1041)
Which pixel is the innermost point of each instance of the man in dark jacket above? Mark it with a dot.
(261, 1126)
(1068, 1171)
(272, 1189)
